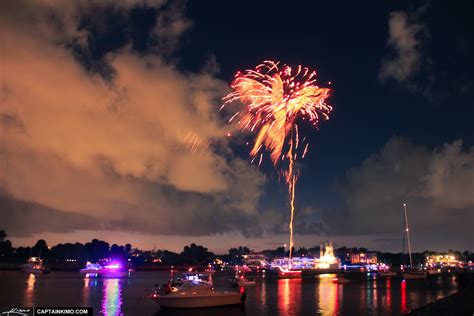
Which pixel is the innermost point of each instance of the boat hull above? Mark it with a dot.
(104, 274)
(387, 274)
(413, 276)
(432, 272)
(289, 274)
(199, 301)
(28, 269)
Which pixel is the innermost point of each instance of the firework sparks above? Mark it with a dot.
(196, 144)
(275, 98)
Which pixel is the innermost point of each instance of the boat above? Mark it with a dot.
(411, 273)
(184, 293)
(414, 275)
(34, 265)
(326, 263)
(241, 280)
(112, 270)
(386, 274)
(433, 271)
(284, 273)
(196, 277)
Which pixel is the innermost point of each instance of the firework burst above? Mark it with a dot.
(276, 99)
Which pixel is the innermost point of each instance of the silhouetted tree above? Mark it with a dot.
(235, 254)
(23, 253)
(195, 254)
(3, 235)
(171, 258)
(314, 251)
(40, 249)
(302, 252)
(280, 252)
(97, 249)
(117, 252)
(6, 248)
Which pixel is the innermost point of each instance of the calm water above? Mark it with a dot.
(270, 296)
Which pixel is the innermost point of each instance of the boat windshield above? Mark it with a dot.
(93, 266)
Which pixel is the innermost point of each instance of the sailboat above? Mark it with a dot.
(411, 273)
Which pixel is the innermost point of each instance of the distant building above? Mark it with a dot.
(363, 258)
(326, 260)
(255, 260)
(442, 260)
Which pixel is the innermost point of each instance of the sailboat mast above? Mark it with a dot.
(408, 233)
(403, 243)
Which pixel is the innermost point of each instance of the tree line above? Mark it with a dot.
(190, 255)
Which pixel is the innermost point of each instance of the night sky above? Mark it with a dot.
(99, 99)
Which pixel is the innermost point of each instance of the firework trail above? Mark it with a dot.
(275, 99)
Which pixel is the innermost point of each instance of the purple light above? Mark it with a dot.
(93, 266)
(113, 265)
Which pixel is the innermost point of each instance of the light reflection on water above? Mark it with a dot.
(289, 296)
(328, 295)
(28, 299)
(86, 291)
(263, 293)
(388, 294)
(270, 296)
(112, 298)
(403, 288)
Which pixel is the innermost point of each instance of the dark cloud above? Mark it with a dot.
(25, 219)
(142, 150)
(436, 184)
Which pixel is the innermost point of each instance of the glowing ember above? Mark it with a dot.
(275, 98)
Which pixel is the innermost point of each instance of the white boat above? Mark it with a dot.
(113, 270)
(34, 265)
(195, 294)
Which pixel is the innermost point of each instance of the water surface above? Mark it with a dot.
(270, 296)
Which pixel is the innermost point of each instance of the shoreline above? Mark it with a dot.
(458, 303)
